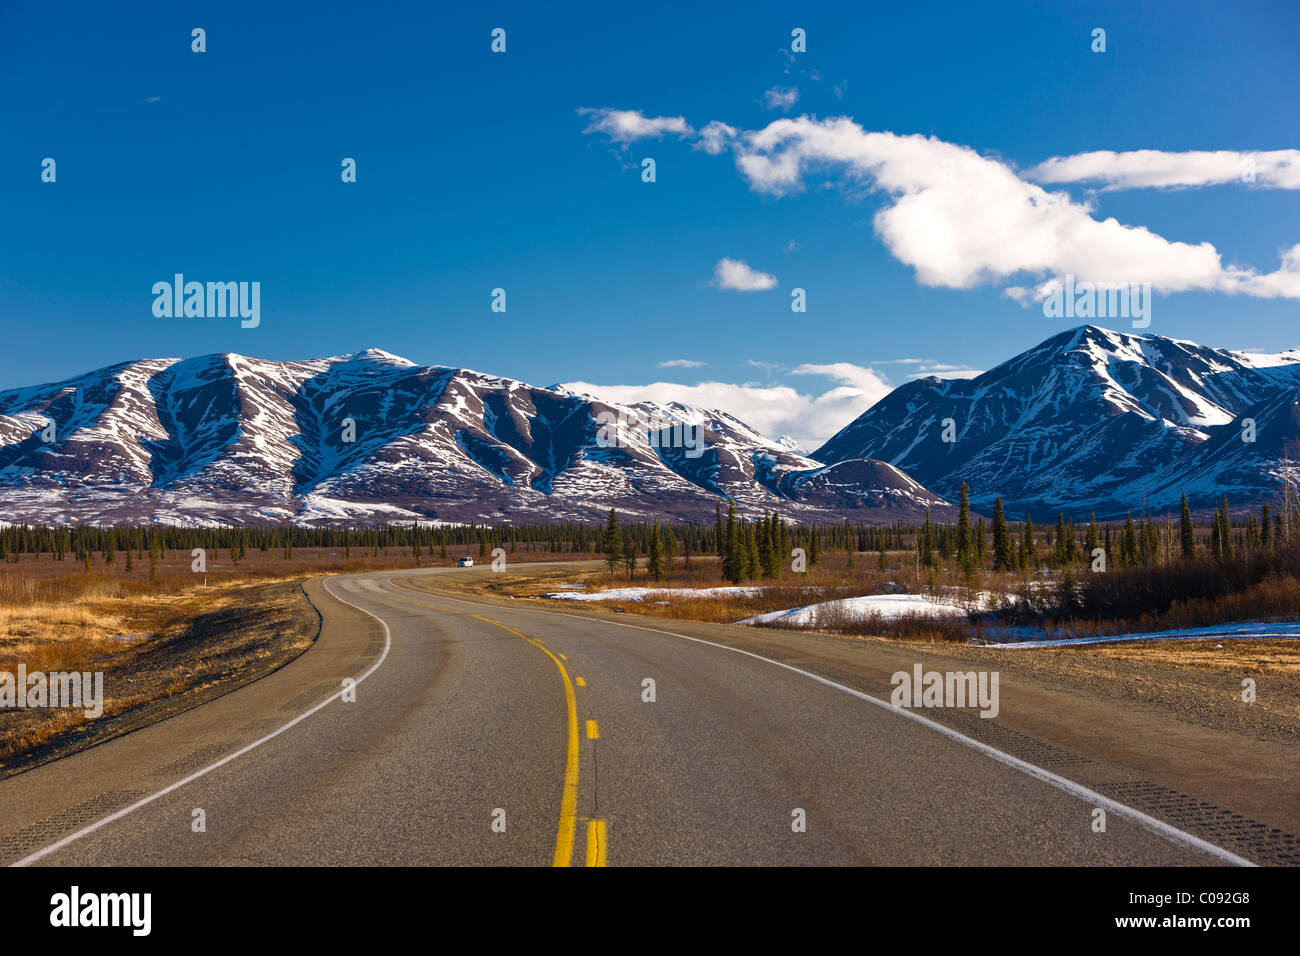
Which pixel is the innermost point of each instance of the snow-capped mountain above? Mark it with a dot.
(1093, 421)
(372, 437)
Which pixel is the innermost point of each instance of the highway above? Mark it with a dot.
(424, 728)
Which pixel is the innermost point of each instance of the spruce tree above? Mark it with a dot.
(766, 552)
(1003, 559)
(656, 554)
(733, 559)
(965, 555)
(1129, 547)
(613, 543)
(1225, 530)
(1186, 533)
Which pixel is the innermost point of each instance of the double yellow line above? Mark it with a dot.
(569, 797)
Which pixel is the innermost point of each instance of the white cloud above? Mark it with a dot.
(867, 381)
(773, 410)
(625, 126)
(681, 363)
(1147, 168)
(780, 97)
(716, 137)
(961, 220)
(737, 275)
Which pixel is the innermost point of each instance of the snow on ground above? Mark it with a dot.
(1249, 629)
(640, 594)
(886, 605)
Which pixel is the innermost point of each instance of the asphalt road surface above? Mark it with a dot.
(427, 729)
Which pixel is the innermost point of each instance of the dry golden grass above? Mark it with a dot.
(84, 634)
(1275, 657)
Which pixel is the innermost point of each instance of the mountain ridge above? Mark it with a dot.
(371, 436)
(1089, 420)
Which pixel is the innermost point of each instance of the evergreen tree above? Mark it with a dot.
(814, 548)
(733, 559)
(613, 543)
(1186, 533)
(1265, 528)
(767, 560)
(1225, 531)
(752, 567)
(656, 554)
(1003, 559)
(965, 553)
(1129, 546)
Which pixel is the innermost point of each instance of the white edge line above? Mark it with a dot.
(85, 831)
(1165, 830)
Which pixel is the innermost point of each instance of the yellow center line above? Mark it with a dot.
(593, 732)
(581, 682)
(596, 843)
(569, 798)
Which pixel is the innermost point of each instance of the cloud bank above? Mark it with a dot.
(962, 220)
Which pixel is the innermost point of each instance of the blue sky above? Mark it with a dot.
(477, 171)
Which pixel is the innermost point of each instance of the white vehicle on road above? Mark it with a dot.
(465, 563)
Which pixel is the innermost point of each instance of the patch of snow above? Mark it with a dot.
(888, 606)
(640, 594)
(1249, 629)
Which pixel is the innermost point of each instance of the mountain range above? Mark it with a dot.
(1088, 421)
(371, 437)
